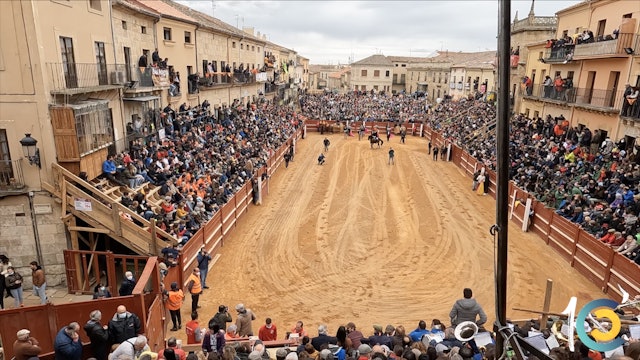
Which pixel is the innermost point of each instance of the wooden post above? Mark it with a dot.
(115, 215)
(63, 194)
(111, 273)
(547, 303)
(76, 257)
(154, 238)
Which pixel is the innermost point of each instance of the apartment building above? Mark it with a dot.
(72, 92)
(473, 76)
(372, 73)
(529, 30)
(594, 68)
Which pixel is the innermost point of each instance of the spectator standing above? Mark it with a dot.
(4, 264)
(98, 335)
(155, 57)
(222, 317)
(203, 264)
(467, 309)
(268, 331)
(244, 320)
(195, 288)
(128, 284)
(174, 299)
(26, 347)
(392, 154)
(13, 282)
(214, 340)
(193, 330)
(39, 282)
(67, 344)
(124, 325)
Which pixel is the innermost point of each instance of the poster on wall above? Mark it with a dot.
(160, 77)
(261, 77)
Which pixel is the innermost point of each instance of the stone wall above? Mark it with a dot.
(18, 241)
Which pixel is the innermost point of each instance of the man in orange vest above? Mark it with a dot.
(174, 299)
(195, 288)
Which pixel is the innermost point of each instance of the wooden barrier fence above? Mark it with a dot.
(44, 321)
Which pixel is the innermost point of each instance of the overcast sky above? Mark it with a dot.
(332, 32)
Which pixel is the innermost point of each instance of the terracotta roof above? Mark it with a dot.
(138, 7)
(208, 21)
(483, 59)
(374, 60)
(167, 9)
(407, 59)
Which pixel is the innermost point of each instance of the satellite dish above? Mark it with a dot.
(466, 331)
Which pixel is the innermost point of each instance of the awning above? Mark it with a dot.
(142, 98)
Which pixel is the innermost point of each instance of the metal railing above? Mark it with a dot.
(558, 54)
(11, 177)
(607, 47)
(600, 98)
(65, 76)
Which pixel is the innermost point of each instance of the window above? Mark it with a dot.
(233, 44)
(143, 29)
(187, 37)
(95, 5)
(189, 70)
(602, 24)
(68, 62)
(101, 61)
(253, 48)
(241, 46)
(94, 130)
(376, 73)
(6, 170)
(124, 25)
(147, 52)
(205, 63)
(167, 33)
(565, 33)
(363, 73)
(627, 16)
(258, 48)
(403, 65)
(386, 73)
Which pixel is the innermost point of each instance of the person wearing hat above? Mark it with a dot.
(26, 347)
(380, 338)
(244, 320)
(173, 301)
(364, 352)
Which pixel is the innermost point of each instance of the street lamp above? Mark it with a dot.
(30, 150)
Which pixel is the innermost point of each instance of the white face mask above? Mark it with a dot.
(103, 288)
(122, 316)
(129, 277)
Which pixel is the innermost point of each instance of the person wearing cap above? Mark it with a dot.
(467, 309)
(222, 317)
(67, 344)
(379, 337)
(25, 347)
(203, 264)
(173, 301)
(195, 288)
(98, 334)
(244, 320)
(364, 352)
(268, 331)
(354, 335)
(323, 338)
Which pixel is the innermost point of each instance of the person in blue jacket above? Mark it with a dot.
(419, 332)
(67, 344)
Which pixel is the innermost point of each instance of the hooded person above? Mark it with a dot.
(467, 309)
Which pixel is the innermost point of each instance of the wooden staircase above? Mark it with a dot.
(98, 204)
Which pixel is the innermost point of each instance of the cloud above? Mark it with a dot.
(337, 31)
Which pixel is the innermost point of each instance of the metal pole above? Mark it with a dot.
(502, 173)
(34, 224)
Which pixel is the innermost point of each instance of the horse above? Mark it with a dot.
(375, 140)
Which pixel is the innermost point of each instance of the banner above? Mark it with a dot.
(160, 77)
(261, 77)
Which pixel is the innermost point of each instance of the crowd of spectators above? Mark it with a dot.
(200, 162)
(587, 177)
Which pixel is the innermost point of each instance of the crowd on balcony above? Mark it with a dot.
(200, 163)
(583, 174)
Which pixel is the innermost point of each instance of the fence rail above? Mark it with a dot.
(11, 177)
(64, 76)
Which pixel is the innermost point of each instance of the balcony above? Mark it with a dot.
(623, 46)
(270, 88)
(76, 78)
(11, 178)
(559, 55)
(591, 99)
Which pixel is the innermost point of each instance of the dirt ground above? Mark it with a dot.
(359, 240)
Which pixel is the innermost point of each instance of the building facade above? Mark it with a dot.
(372, 73)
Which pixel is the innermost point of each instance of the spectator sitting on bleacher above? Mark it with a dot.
(109, 170)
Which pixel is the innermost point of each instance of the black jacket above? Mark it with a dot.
(99, 339)
(121, 330)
